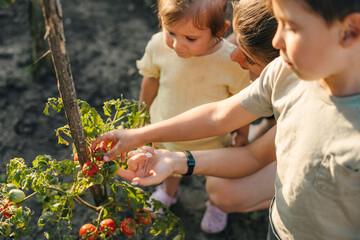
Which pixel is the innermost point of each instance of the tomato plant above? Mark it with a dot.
(44, 178)
(107, 226)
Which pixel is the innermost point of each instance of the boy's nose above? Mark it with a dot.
(277, 41)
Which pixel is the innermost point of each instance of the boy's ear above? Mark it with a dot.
(351, 30)
(226, 26)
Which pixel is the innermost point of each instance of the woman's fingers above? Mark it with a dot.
(137, 160)
(151, 179)
(143, 149)
(129, 175)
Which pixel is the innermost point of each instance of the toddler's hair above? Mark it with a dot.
(332, 10)
(255, 26)
(204, 13)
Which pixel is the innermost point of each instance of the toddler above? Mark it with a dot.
(185, 65)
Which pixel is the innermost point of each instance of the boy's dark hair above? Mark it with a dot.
(332, 10)
(255, 26)
(205, 13)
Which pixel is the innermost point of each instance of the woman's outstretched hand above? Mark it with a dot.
(149, 166)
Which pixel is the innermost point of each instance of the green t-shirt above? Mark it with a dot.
(318, 153)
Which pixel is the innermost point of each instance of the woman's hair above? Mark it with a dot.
(255, 26)
(204, 13)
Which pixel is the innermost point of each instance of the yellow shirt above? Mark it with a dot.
(186, 83)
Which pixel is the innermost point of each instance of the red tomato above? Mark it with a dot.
(99, 153)
(88, 232)
(76, 157)
(126, 227)
(108, 226)
(144, 216)
(90, 169)
(7, 205)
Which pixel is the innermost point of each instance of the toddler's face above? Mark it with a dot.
(306, 43)
(246, 61)
(187, 40)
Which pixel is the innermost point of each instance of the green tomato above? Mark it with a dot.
(5, 229)
(16, 195)
(111, 168)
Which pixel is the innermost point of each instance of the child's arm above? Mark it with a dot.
(207, 120)
(149, 89)
(148, 169)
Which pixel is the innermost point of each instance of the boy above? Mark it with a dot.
(314, 92)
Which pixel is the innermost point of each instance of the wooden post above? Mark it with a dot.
(52, 12)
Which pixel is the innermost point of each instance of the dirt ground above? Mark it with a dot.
(103, 40)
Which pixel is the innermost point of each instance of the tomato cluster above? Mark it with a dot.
(89, 232)
(7, 208)
(108, 226)
(91, 168)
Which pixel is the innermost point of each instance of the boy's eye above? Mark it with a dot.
(191, 39)
(171, 33)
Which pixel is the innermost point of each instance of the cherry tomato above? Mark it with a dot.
(108, 226)
(143, 216)
(88, 232)
(7, 205)
(76, 157)
(90, 169)
(99, 153)
(126, 228)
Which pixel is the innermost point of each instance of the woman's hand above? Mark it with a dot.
(149, 166)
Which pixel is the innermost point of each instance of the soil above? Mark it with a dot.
(103, 40)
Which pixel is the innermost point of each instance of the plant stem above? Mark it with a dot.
(33, 194)
(77, 198)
